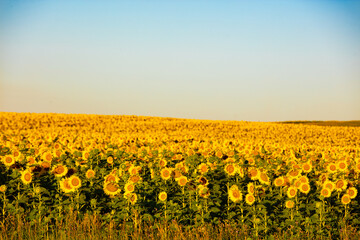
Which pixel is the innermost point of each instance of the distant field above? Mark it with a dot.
(327, 123)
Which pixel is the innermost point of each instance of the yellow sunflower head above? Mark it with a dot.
(111, 188)
(162, 196)
(75, 182)
(249, 199)
(26, 176)
(59, 170)
(235, 194)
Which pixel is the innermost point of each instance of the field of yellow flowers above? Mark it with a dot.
(264, 176)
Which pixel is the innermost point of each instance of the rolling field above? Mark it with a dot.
(72, 176)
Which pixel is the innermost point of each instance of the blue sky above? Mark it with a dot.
(226, 60)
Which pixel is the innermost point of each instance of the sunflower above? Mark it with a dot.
(75, 182)
(345, 199)
(203, 181)
(133, 198)
(3, 188)
(182, 181)
(331, 168)
(219, 154)
(65, 186)
(59, 170)
(110, 160)
(251, 188)
(294, 173)
(134, 170)
(249, 199)
(341, 185)
(297, 183)
(26, 176)
(135, 179)
(129, 187)
(289, 204)
(352, 192)
(47, 157)
(263, 178)
(203, 191)
(235, 194)
(342, 165)
(203, 168)
(90, 174)
(230, 169)
(111, 178)
(254, 173)
(176, 174)
(111, 188)
(165, 173)
(329, 185)
(357, 166)
(291, 192)
(307, 167)
(163, 162)
(304, 179)
(85, 155)
(31, 160)
(162, 196)
(279, 181)
(8, 160)
(325, 192)
(304, 188)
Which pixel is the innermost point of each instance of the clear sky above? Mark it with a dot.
(228, 60)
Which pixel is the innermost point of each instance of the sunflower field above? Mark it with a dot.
(266, 177)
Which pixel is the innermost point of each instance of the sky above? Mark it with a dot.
(222, 60)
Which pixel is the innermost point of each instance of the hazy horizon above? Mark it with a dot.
(216, 60)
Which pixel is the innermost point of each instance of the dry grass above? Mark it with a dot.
(326, 123)
(90, 227)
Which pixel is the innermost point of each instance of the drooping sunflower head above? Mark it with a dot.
(133, 198)
(203, 191)
(341, 185)
(263, 178)
(59, 170)
(111, 188)
(111, 178)
(65, 186)
(254, 173)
